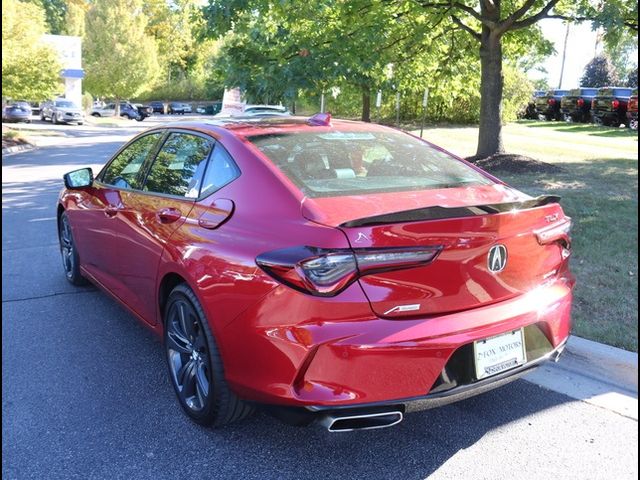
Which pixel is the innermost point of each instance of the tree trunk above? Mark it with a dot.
(366, 104)
(491, 84)
(117, 112)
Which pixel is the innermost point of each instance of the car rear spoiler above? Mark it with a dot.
(439, 213)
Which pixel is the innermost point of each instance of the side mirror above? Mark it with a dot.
(78, 178)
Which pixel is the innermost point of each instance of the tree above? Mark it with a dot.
(632, 79)
(491, 24)
(175, 26)
(54, 11)
(120, 59)
(30, 69)
(599, 72)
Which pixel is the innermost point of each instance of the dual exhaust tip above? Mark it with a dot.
(368, 421)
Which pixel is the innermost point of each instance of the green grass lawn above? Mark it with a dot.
(599, 189)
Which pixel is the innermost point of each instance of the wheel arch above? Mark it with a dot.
(59, 212)
(169, 281)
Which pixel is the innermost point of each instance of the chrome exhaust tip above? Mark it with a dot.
(370, 421)
(556, 355)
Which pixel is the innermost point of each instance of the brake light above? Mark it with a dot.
(326, 273)
(580, 102)
(615, 104)
(551, 101)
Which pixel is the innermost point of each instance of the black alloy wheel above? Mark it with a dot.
(69, 253)
(188, 355)
(195, 365)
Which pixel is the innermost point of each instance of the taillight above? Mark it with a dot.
(326, 273)
(551, 101)
(615, 104)
(558, 233)
(580, 102)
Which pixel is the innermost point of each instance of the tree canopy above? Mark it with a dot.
(30, 69)
(600, 72)
(120, 58)
(271, 49)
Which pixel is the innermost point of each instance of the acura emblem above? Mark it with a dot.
(497, 258)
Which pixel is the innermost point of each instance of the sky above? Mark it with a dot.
(580, 50)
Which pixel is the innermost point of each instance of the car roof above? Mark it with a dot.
(243, 127)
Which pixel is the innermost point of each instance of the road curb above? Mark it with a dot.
(610, 364)
(17, 149)
(595, 373)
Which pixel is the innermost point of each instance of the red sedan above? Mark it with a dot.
(323, 270)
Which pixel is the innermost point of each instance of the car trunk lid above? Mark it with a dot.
(467, 223)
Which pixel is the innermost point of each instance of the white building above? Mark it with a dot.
(70, 54)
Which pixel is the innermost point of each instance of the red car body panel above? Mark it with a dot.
(282, 346)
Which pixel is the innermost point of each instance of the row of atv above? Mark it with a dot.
(610, 106)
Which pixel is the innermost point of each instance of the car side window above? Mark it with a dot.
(220, 171)
(122, 172)
(179, 166)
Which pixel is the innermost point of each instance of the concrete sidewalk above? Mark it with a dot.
(594, 373)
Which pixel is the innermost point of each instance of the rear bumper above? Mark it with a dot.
(320, 364)
(435, 400)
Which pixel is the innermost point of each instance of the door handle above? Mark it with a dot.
(169, 215)
(111, 211)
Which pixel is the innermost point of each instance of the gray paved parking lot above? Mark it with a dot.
(85, 394)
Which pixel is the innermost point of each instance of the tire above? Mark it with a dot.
(54, 119)
(42, 117)
(69, 253)
(80, 123)
(195, 365)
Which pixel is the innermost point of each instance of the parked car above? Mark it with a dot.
(158, 107)
(143, 110)
(16, 113)
(127, 110)
(548, 105)
(61, 111)
(382, 275)
(632, 110)
(209, 109)
(575, 106)
(179, 108)
(265, 110)
(609, 107)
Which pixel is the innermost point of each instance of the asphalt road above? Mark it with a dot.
(85, 392)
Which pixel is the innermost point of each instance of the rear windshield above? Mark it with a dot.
(334, 163)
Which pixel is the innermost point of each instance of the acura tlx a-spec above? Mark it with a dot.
(330, 271)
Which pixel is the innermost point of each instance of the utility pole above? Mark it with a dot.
(564, 55)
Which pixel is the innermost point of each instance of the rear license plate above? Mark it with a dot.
(500, 353)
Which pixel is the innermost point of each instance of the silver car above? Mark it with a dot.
(61, 111)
